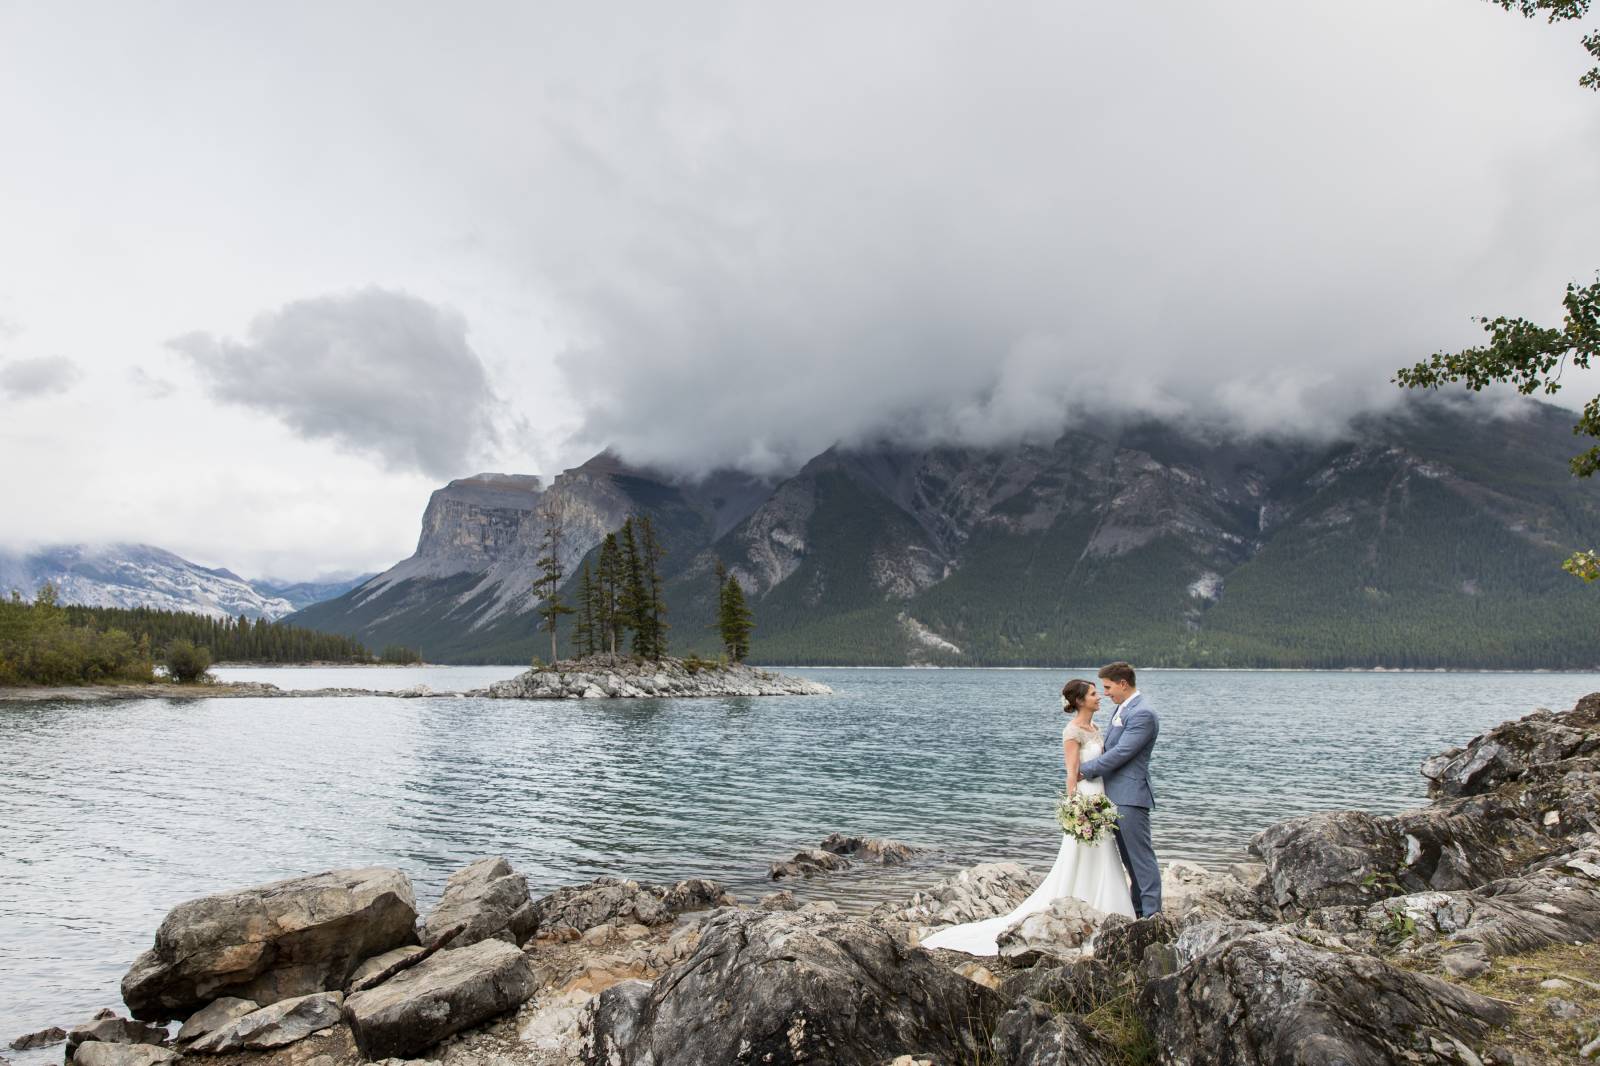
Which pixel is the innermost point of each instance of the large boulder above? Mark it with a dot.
(984, 891)
(281, 1023)
(271, 942)
(1511, 797)
(1512, 751)
(1035, 1035)
(1556, 903)
(489, 898)
(440, 996)
(1266, 996)
(788, 987)
(39, 1038)
(616, 901)
(877, 850)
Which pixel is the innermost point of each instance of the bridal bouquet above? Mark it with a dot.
(1086, 818)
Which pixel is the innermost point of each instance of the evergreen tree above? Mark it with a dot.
(655, 604)
(547, 586)
(609, 582)
(583, 633)
(634, 601)
(734, 619)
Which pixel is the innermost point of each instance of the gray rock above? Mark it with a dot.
(1466, 962)
(791, 987)
(489, 898)
(41, 1038)
(1269, 997)
(274, 1026)
(1122, 941)
(101, 1053)
(1035, 1035)
(271, 942)
(621, 677)
(610, 900)
(869, 849)
(782, 900)
(1512, 751)
(1064, 930)
(1077, 987)
(379, 963)
(214, 1016)
(107, 1028)
(808, 862)
(977, 892)
(444, 994)
(1557, 903)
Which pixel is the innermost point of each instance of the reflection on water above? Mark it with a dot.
(112, 813)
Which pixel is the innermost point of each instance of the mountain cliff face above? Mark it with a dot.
(1429, 538)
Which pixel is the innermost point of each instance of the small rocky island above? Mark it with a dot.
(629, 677)
(1464, 933)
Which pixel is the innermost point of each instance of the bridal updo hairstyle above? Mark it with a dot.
(1073, 692)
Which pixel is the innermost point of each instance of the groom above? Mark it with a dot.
(1125, 768)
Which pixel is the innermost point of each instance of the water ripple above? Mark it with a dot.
(111, 814)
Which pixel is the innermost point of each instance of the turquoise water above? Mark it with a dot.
(112, 813)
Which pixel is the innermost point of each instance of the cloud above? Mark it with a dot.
(953, 224)
(46, 375)
(156, 388)
(381, 373)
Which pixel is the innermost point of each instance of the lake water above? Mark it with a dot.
(112, 813)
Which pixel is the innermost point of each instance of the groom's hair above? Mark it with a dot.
(1119, 672)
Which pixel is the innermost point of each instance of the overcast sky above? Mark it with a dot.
(270, 273)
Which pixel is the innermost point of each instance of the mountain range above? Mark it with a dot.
(1428, 537)
(138, 575)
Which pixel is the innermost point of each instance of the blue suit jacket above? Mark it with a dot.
(1125, 764)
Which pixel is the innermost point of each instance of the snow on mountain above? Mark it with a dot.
(137, 575)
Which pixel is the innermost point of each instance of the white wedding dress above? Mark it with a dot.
(1091, 872)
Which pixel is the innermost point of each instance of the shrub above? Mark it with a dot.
(187, 663)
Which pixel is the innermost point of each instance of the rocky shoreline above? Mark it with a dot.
(597, 677)
(624, 677)
(1466, 932)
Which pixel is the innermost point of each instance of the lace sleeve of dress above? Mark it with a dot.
(1073, 732)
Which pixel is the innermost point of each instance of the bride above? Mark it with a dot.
(1091, 872)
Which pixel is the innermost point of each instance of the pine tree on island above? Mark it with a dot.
(609, 581)
(547, 587)
(585, 640)
(655, 603)
(734, 619)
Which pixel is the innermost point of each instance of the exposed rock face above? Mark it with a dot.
(1516, 751)
(489, 898)
(271, 942)
(1508, 810)
(987, 890)
(1559, 902)
(1191, 893)
(611, 900)
(1035, 1035)
(274, 1026)
(444, 994)
(774, 987)
(1062, 930)
(619, 677)
(1269, 997)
